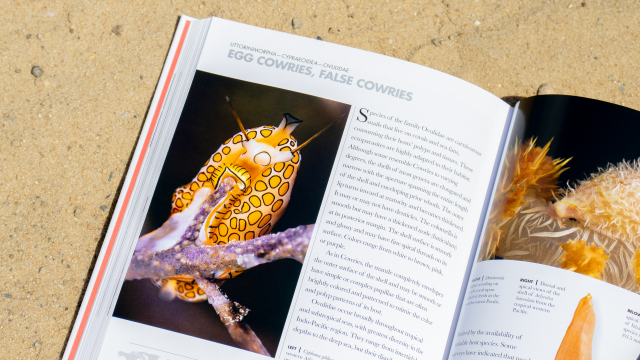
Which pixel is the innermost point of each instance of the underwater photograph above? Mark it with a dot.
(569, 192)
(272, 151)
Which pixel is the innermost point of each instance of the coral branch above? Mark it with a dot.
(231, 314)
(175, 250)
(207, 260)
(183, 228)
(191, 234)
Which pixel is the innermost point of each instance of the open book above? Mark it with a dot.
(304, 200)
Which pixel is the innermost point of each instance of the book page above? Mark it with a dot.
(558, 269)
(377, 213)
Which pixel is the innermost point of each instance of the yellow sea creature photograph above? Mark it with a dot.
(231, 217)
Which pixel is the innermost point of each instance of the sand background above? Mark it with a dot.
(66, 136)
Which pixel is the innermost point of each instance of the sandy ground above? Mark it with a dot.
(66, 135)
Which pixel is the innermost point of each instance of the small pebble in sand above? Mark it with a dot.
(318, 38)
(28, 36)
(297, 24)
(71, 31)
(37, 71)
(545, 89)
(18, 70)
(117, 30)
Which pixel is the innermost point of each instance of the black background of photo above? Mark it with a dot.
(595, 133)
(205, 123)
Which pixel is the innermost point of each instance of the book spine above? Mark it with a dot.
(76, 340)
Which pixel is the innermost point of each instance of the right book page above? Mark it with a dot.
(557, 271)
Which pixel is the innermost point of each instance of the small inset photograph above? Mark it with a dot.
(569, 192)
(232, 214)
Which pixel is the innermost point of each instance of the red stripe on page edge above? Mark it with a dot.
(134, 177)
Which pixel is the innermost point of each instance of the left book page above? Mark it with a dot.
(359, 144)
